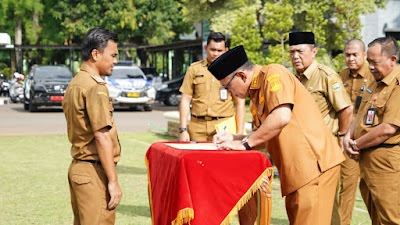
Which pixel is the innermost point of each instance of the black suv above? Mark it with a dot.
(45, 86)
(169, 93)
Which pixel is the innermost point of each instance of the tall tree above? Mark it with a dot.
(21, 20)
(245, 32)
(278, 23)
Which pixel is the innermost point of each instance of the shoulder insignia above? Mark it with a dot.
(98, 79)
(255, 81)
(102, 93)
(260, 98)
(335, 85)
(275, 83)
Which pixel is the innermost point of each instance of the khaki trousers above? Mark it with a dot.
(349, 176)
(313, 203)
(89, 194)
(203, 130)
(380, 184)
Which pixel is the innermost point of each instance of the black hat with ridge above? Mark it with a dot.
(298, 38)
(228, 62)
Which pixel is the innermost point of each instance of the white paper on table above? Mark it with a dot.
(192, 146)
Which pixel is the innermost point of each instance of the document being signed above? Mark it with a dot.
(193, 146)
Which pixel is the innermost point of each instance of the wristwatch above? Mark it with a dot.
(182, 129)
(246, 144)
(340, 134)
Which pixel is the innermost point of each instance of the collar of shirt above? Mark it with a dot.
(308, 72)
(204, 63)
(255, 82)
(389, 78)
(88, 69)
(363, 70)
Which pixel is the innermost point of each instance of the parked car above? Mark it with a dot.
(151, 75)
(169, 92)
(128, 86)
(45, 86)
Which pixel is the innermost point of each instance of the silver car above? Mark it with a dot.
(128, 86)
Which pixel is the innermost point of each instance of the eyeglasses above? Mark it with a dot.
(227, 85)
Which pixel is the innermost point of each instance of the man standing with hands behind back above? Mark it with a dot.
(356, 78)
(93, 181)
(374, 135)
(212, 104)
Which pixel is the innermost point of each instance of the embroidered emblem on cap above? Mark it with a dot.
(335, 85)
(275, 83)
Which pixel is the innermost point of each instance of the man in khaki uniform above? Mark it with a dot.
(211, 103)
(356, 78)
(374, 135)
(288, 124)
(326, 87)
(93, 181)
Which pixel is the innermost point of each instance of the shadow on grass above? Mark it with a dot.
(134, 210)
(277, 221)
(131, 170)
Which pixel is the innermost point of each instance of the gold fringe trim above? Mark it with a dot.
(150, 197)
(269, 172)
(184, 216)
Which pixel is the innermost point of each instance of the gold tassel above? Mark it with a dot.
(247, 196)
(184, 216)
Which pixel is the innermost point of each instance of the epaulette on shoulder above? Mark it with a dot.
(329, 72)
(195, 63)
(98, 79)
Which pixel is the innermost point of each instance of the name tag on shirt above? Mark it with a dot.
(370, 116)
(199, 75)
(223, 94)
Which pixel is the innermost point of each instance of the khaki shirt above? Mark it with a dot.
(87, 109)
(326, 87)
(305, 147)
(356, 86)
(386, 94)
(204, 88)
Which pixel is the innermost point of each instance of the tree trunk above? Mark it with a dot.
(18, 42)
(143, 56)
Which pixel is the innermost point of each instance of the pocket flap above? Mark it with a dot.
(80, 179)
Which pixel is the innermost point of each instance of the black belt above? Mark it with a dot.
(91, 161)
(207, 118)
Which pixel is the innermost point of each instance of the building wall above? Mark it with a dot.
(374, 24)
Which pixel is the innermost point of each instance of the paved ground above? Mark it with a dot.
(14, 120)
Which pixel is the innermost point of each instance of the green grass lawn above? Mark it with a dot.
(34, 187)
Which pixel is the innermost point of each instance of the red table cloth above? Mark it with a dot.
(202, 186)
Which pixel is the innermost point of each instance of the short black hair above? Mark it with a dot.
(215, 36)
(389, 46)
(96, 38)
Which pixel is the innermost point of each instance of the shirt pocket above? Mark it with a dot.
(200, 85)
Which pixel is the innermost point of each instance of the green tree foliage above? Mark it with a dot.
(245, 32)
(23, 15)
(278, 22)
(333, 22)
(77, 17)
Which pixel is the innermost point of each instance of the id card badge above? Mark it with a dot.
(223, 94)
(358, 102)
(370, 116)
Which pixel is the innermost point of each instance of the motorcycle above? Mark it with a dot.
(16, 91)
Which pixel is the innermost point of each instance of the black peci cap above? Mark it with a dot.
(228, 62)
(298, 38)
